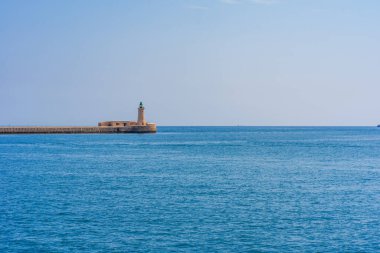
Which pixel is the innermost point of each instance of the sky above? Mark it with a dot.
(192, 62)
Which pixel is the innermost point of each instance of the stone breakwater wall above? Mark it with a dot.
(151, 128)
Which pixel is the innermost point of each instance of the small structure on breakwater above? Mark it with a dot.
(139, 126)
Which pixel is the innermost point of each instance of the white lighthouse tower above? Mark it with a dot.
(141, 118)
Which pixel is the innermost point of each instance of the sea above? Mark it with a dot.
(192, 189)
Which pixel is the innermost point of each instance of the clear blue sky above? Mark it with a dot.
(263, 62)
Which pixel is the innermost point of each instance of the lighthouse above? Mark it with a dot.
(141, 118)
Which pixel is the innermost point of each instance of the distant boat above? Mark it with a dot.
(378, 125)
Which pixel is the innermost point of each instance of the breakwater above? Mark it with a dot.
(151, 128)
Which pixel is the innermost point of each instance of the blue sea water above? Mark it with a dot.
(192, 189)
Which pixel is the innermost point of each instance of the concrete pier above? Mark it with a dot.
(104, 127)
(151, 128)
